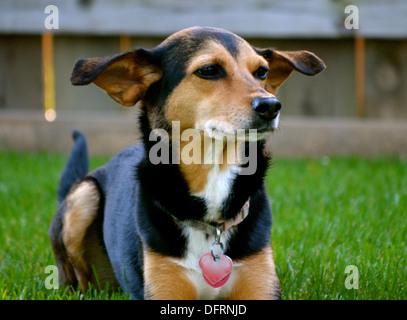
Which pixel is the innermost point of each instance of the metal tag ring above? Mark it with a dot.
(216, 252)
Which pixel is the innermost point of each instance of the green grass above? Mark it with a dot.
(331, 213)
(328, 214)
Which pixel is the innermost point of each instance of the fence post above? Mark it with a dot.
(48, 79)
(360, 75)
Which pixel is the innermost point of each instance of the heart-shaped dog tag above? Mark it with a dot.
(215, 272)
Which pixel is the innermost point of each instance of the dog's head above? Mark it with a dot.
(208, 79)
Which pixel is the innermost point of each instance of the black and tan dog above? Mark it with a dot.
(144, 225)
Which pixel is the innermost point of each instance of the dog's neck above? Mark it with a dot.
(204, 156)
(200, 190)
(211, 177)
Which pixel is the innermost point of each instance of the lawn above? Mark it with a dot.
(329, 213)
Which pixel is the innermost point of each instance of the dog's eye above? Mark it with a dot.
(261, 73)
(211, 72)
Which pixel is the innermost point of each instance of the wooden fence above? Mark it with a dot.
(365, 75)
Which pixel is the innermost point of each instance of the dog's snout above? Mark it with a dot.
(266, 108)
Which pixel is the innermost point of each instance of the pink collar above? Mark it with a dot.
(244, 212)
(223, 225)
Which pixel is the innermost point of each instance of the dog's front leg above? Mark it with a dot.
(256, 278)
(166, 280)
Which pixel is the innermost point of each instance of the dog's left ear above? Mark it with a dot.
(125, 77)
(282, 63)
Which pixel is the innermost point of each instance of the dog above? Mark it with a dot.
(178, 229)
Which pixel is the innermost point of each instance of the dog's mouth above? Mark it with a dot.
(219, 130)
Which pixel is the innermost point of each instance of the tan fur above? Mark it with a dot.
(166, 280)
(125, 79)
(196, 174)
(228, 100)
(81, 240)
(256, 278)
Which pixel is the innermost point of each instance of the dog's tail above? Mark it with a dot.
(77, 166)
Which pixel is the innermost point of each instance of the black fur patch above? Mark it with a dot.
(230, 41)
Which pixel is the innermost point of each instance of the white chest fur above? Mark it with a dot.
(217, 189)
(199, 243)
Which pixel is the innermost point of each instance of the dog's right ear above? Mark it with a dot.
(125, 77)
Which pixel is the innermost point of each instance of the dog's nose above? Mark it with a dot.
(266, 108)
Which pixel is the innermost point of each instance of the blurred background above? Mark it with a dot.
(357, 106)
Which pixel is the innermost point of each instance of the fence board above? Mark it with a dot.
(260, 18)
